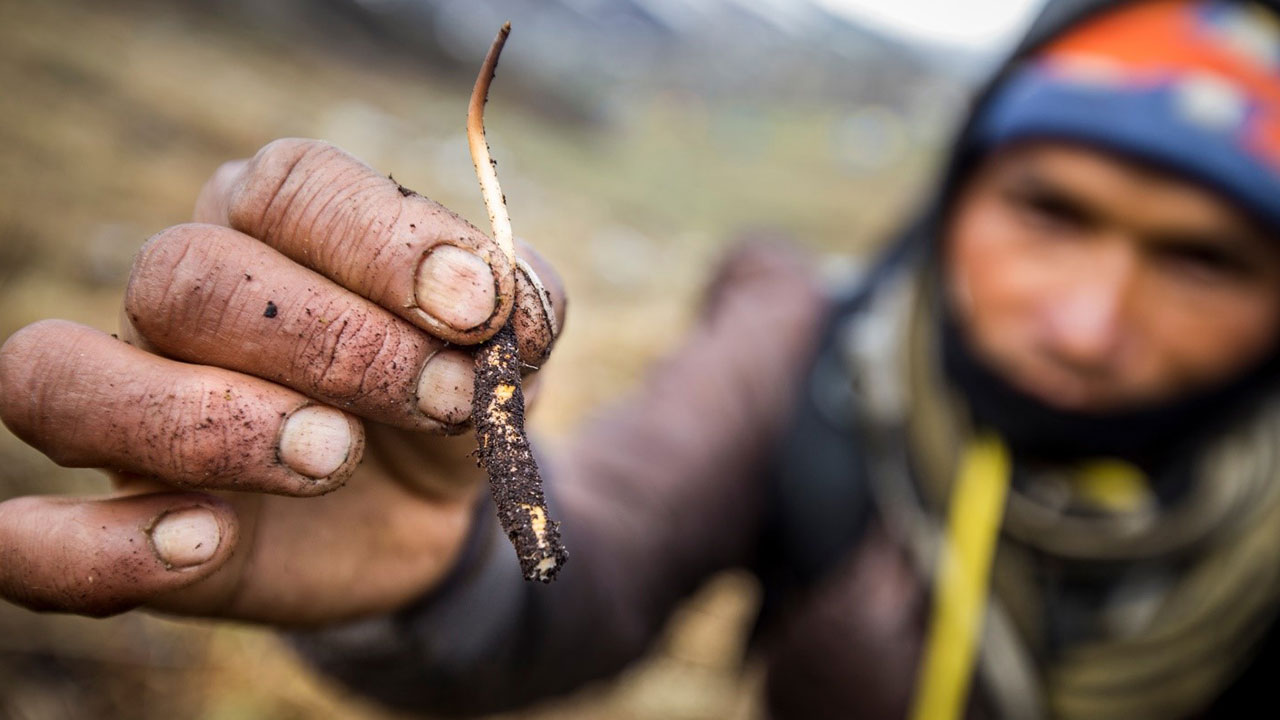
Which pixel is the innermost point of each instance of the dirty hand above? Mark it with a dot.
(315, 315)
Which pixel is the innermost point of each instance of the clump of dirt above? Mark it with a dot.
(404, 191)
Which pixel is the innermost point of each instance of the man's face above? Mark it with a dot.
(1098, 284)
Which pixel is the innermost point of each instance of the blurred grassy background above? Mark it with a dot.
(114, 113)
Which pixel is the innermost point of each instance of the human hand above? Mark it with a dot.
(314, 315)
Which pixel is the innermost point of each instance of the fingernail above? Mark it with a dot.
(446, 385)
(186, 538)
(541, 297)
(456, 287)
(315, 441)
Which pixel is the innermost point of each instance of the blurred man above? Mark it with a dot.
(1028, 468)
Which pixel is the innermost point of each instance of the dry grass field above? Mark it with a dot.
(113, 114)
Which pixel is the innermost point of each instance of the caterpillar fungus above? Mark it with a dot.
(498, 404)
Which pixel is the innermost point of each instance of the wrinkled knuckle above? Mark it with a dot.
(325, 358)
(278, 158)
(166, 274)
(160, 258)
(199, 442)
(275, 160)
(356, 360)
(381, 364)
(271, 182)
(317, 348)
(20, 351)
(36, 335)
(364, 347)
(31, 360)
(35, 365)
(355, 210)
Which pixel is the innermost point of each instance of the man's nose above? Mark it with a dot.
(1084, 326)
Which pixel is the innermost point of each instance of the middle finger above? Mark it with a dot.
(211, 295)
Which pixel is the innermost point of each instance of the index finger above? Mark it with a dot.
(326, 210)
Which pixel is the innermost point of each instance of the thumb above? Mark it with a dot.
(102, 557)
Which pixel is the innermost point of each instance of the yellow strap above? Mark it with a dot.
(963, 576)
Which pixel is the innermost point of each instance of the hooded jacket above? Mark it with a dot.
(741, 450)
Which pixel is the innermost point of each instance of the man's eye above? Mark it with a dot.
(1204, 262)
(1048, 214)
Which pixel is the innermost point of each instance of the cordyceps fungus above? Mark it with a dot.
(498, 410)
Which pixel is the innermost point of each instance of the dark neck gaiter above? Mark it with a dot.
(1149, 436)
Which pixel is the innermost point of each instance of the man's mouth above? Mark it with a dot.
(1065, 389)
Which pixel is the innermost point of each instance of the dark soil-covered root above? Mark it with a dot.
(504, 452)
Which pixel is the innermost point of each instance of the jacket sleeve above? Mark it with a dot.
(654, 495)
